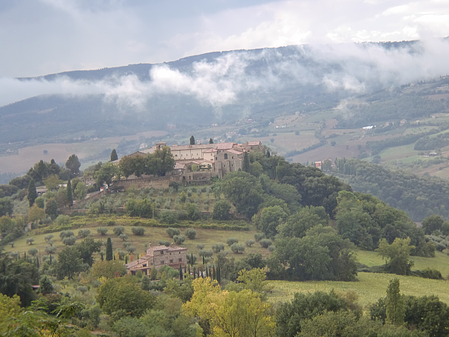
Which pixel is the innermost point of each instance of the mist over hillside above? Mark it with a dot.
(219, 87)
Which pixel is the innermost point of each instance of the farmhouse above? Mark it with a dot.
(157, 257)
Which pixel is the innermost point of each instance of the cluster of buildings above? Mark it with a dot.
(204, 161)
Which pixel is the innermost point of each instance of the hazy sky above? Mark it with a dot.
(39, 37)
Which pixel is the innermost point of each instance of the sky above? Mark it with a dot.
(40, 37)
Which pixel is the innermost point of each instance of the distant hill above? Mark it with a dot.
(218, 87)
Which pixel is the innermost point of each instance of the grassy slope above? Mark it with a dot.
(208, 237)
(369, 288)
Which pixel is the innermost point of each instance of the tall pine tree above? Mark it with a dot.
(32, 193)
(192, 140)
(114, 156)
(211, 141)
(109, 254)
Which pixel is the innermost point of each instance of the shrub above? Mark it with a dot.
(82, 289)
(168, 217)
(249, 243)
(237, 248)
(48, 237)
(69, 240)
(440, 246)
(265, 243)
(126, 244)
(200, 246)
(206, 253)
(122, 254)
(30, 241)
(66, 234)
(218, 247)
(179, 239)
(231, 241)
(32, 251)
(271, 248)
(124, 237)
(62, 219)
(259, 236)
(165, 243)
(138, 231)
(119, 230)
(50, 250)
(102, 230)
(83, 233)
(191, 233)
(172, 231)
(131, 249)
(193, 212)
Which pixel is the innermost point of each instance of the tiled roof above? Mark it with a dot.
(254, 143)
(234, 151)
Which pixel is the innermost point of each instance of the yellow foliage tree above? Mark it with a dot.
(230, 313)
(35, 213)
(9, 307)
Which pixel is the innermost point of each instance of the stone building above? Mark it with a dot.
(157, 257)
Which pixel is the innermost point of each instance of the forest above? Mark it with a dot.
(306, 226)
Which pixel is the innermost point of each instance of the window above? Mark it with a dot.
(144, 265)
(225, 156)
(180, 259)
(171, 261)
(162, 252)
(162, 262)
(232, 157)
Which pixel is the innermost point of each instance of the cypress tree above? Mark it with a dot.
(211, 141)
(207, 273)
(114, 156)
(218, 275)
(395, 306)
(245, 164)
(203, 261)
(214, 276)
(109, 253)
(180, 273)
(185, 269)
(126, 259)
(189, 270)
(192, 262)
(69, 193)
(194, 272)
(192, 140)
(268, 154)
(38, 265)
(32, 193)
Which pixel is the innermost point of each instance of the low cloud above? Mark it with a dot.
(352, 68)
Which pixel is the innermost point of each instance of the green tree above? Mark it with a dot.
(221, 210)
(35, 213)
(73, 164)
(51, 208)
(6, 206)
(120, 297)
(244, 191)
(396, 255)
(80, 191)
(69, 263)
(193, 212)
(127, 166)
(211, 141)
(108, 269)
(114, 156)
(298, 223)
(105, 174)
(86, 249)
(52, 182)
(192, 140)
(432, 223)
(69, 193)
(32, 193)
(109, 253)
(40, 202)
(291, 316)
(45, 285)
(270, 219)
(395, 308)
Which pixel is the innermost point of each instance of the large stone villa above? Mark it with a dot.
(157, 257)
(200, 162)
